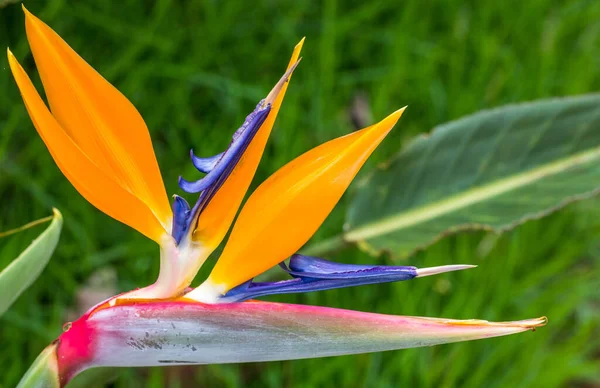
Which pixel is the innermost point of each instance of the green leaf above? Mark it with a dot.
(43, 373)
(19, 274)
(492, 170)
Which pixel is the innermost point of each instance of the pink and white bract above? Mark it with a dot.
(101, 144)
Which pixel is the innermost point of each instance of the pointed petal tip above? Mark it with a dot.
(270, 99)
(15, 66)
(395, 116)
(293, 63)
(295, 53)
(526, 324)
(538, 322)
(398, 113)
(532, 324)
(57, 214)
(422, 272)
(184, 184)
(28, 14)
(387, 124)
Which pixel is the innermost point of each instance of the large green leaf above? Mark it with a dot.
(491, 170)
(20, 273)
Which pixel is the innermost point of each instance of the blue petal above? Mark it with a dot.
(181, 212)
(240, 141)
(205, 165)
(314, 274)
(220, 166)
(199, 185)
(314, 267)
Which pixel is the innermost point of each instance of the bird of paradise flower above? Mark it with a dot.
(101, 144)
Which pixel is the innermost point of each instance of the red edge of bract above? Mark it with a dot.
(75, 349)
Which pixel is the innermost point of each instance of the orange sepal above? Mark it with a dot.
(97, 118)
(93, 183)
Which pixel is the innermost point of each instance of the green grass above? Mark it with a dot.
(195, 70)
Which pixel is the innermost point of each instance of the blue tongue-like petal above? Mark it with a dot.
(314, 267)
(316, 274)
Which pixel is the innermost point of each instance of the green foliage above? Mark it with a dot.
(22, 271)
(4, 3)
(43, 372)
(492, 170)
(194, 69)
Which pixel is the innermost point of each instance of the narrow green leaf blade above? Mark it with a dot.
(43, 373)
(491, 170)
(20, 273)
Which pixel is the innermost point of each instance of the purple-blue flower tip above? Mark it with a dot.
(315, 274)
(217, 169)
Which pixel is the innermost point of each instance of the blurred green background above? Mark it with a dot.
(194, 69)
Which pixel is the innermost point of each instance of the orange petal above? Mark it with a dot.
(98, 118)
(217, 217)
(288, 208)
(92, 182)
